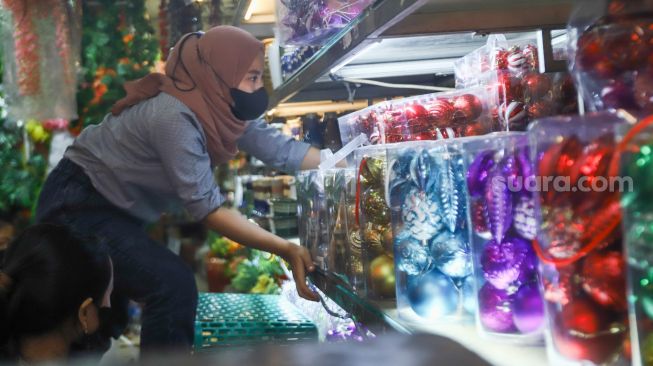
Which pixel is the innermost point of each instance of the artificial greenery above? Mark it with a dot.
(118, 45)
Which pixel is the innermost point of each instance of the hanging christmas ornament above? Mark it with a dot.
(524, 220)
(451, 187)
(382, 274)
(374, 207)
(508, 263)
(499, 204)
(451, 255)
(441, 112)
(494, 310)
(528, 308)
(421, 216)
(478, 172)
(422, 169)
(513, 114)
(532, 58)
(536, 86)
(541, 108)
(563, 231)
(516, 60)
(432, 295)
(500, 60)
(467, 108)
(417, 119)
(604, 279)
(412, 256)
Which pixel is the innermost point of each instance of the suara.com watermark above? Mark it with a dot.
(564, 184)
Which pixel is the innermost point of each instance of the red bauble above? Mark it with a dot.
(417, 119)
(516, 60)
(643, 90)
(441, 112)
(563, 289)
(618, 95)
(467, 107)
(530, 52)
(624, 44)
(589, 51)
(592, 166)
(509, 87)
(513, 115)
(604, 279)
(540, 109)
(581, 333)
(536, 86)
(473, 129)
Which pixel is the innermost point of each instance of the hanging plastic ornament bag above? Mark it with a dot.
(41, 46)
(313, 22)
(579, 243)
(311, 210)
(336, 216)
(433, 261)
(434, 116)
(611, 53)
(500, 187)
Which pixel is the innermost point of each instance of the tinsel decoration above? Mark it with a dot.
(26, 48)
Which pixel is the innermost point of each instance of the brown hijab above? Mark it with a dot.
(200, 71)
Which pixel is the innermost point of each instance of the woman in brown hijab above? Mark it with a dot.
(155, 152)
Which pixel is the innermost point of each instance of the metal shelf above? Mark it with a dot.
(408, 36)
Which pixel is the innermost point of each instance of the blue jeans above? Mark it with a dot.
(144, 270)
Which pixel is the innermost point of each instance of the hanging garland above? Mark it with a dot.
(118, 45)
(26, 46)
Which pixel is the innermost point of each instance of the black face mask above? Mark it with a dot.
(248, 106)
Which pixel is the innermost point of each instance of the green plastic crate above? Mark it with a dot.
(230, 320)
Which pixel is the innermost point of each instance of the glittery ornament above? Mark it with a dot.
(382, 274)
(494, 310)
(422, 169)
(531, 55)
(540, 109)
(499, 204)
(536, 85)
(508, 263)
(563, 231)
(508, 87)
(528, 308)
(524, 220)
(412, 256)
(417, 118)
(560, 285)
(374, 207)
(441, 112)
(516, 60)
(604, 279)
(480, 219)
(421, 216)
(432, 295)
(478, 172)
(451, 189)
(373, 171)
(451, 254)
(467, 108)
(500, 60)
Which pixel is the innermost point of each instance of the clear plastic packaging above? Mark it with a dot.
(373, 215)
(311, 210)
(426, 117)
(579, 243)
(611, 53)
(502, 226)
(518, 93)
(313, 22)
(336, 216)
(433, 259)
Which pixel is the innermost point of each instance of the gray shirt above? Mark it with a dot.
(153, 157)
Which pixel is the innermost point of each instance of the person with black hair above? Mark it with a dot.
(55, 295)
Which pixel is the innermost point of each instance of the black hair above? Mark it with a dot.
(48, 272)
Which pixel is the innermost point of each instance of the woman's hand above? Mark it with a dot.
(236, 227)
(301, 262)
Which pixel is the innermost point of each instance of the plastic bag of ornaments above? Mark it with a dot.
(313, 22)
(433, 260)
(611, 53)
(502, 226)
(335, 184)
(426, 117)
(636, 145)
(294, 58)
(311, 211)
(579, 243)
(518, 93)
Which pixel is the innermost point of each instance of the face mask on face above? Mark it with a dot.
(248, 106)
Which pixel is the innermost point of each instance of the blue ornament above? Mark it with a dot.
(451, 188)
(411, 256)
(399, 180)
(432, 295)
(421, 216)
(421, 170)
(452, 255)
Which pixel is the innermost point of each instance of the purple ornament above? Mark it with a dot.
(525, 168)
(499, 204)
(508, 263)
(524, 220)
(494, 310)
(528, 308)
(478, 172)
